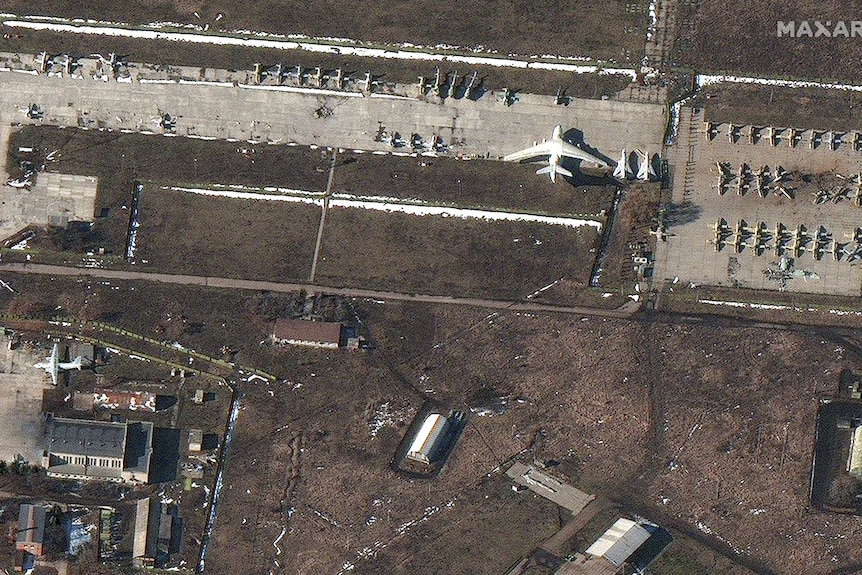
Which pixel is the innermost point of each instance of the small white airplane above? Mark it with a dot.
(554, 150)
(623, 171)
(53, 367)
(645, 169)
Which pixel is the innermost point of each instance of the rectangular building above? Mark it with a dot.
(549, 487)
(424, 445)
(102, 450)
(31, 529)
(302, 332)
(619, 542)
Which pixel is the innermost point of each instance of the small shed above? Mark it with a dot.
(196, 437)
(424, 445)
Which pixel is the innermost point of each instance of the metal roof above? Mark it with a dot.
(82, 437)
(303, 331)
(31, 524)
(549, 487)
(423, 443)
(620, 541)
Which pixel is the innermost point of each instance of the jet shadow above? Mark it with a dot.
(576, 138)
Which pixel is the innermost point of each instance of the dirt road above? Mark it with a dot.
(624, 311)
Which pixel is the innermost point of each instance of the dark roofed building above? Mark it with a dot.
(31, 529)
(157, 532)
(81, 449)
(303, 332)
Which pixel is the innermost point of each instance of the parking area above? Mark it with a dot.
(55, 199)
(21, 387)
(789, 222)
(232, 105)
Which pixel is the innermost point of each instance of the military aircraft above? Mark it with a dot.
(623, 171)
(645, 169)
(710, 129)
(555, 149)
(53, 366)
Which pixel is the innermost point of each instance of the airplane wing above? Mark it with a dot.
(537, 151)
(568, 150)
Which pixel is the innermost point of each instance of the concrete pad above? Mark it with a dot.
(21, 387)
(482, 128)
(690, 256)
(54, 199)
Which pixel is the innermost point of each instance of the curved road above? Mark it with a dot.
(624, 311)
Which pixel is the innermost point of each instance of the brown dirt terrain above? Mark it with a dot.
(120, 159)
(450, 256)
(467, 183)
(201, 235)
(742, 37)
(275, 240)
(789, 107)
(696, 427)
(804, 309)
(610, 31)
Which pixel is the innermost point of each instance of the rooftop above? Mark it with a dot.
(81, 437)
(298, 330)
(549, 487)
(31, 524)
(620, 541)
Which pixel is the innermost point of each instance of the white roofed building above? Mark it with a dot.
(425, 444)
(619, 542)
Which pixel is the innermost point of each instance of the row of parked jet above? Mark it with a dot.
(112, 65)
(793, 136)
(416, 142)
(785, 240)
(762, 180)
(645, 168)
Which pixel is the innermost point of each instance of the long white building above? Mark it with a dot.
(427, 440)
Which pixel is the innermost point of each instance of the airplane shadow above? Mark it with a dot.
(682, 213)
(576, 137)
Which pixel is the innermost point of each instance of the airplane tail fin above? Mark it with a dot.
(77, 363)
(545, 170)
(553, 170)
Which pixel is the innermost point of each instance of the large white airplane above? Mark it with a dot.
(554, 149)
(53, 367)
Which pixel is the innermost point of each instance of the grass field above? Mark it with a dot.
(202, 235)
(742, 37)
(791, 107)
(578, 28)
(233, 58)
(644, 414)
(427, 254)
(467, 183)
(120, 159)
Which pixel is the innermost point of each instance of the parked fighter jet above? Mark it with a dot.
(53, 366)
(646, 172)
(623, 171)
(555, 149)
